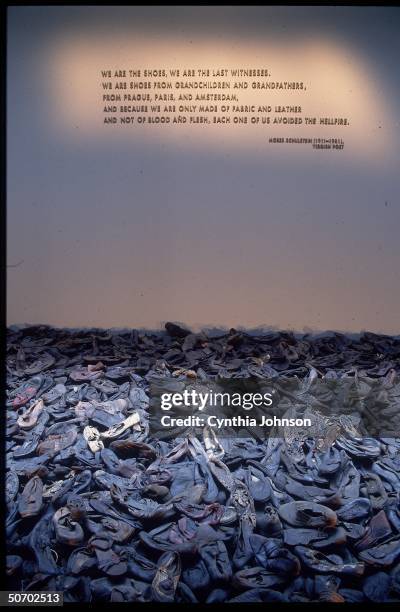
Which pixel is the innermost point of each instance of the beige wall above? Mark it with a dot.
(128, 229)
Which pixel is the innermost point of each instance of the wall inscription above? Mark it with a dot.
(237, 97)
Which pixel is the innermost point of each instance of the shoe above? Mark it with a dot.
(67, 531)
(258, 485)
(377, 588)
(77, 506)
(229, 516)
(352, 595)
(26, 449)
(176, 331)
(196, 576)
(107, 509)
(106, 481)
(311, 493)
(243, 502)
(107, 560)
(211, 513)
(204, 477)
(373, 488)
(103, 418)
(92, 436)
(155, 491)
(258, 596)
(353, 531)
(378, 529)
(44, 363)
(271, 555)
(117, 530)
(216, 559)
(39, 541)
(57, 489)
(117, 374)
(130, 447)
(105, 386)
(307, 514)
(31, 499)
(85, 374)
(54, 394)
(355, 510)
(269, 522)
(149, 510)
(256, 577)
(110, 460)
(383, 554)
(11, 487)
(81, 482)
(317, 538)
(29, 419)
(327, 564)
(140, 566)
(101, 589)
(26, 391)
(218, 596)
(167, 577)
(326, 589)
(360, 447)
(129, 591)
(347, 480)
(133, 420)
(330, 462)
(27, 468)
(157, 475)
(13, 564)
(107, 590)
(243, 551)
(54, 443)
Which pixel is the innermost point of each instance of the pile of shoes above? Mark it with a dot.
(103, 511)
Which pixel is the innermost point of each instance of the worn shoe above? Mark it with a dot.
(167, 576)
(67, 531)
(29, 419)
(31, 499)
(307, 514)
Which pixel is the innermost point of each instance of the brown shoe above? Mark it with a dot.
(54, 443)
(67, 531)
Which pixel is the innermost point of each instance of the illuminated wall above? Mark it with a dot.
(208, 225)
